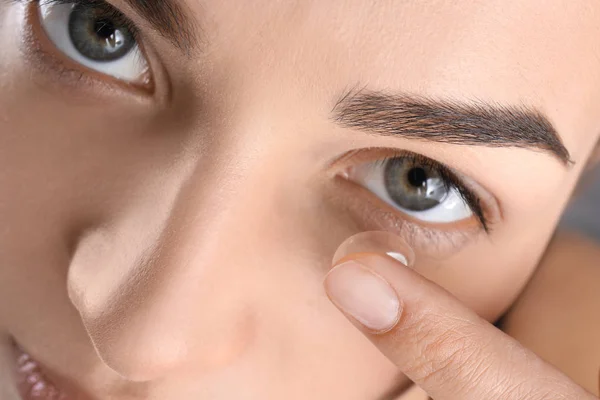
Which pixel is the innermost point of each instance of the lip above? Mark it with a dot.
(33, 381)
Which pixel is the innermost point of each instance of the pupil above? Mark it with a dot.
(417, 177)
(414, 186)
(98, 35)
(104, 29)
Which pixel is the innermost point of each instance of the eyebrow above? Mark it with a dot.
(452, 122)
(170, 19)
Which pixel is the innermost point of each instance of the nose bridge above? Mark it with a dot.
(189, 299)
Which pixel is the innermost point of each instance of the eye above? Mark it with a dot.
(417, 187)
(96, 35)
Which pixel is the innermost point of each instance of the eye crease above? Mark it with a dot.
(414, 192)
(95, 35)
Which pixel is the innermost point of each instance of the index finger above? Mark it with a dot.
(436, 341)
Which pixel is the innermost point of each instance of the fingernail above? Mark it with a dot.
(364, 295)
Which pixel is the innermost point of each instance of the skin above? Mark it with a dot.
(559, 307)
(449, 351)
(166, 245)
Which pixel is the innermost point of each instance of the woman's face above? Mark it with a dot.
(176, 176)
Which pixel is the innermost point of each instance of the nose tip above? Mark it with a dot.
(147, 345)
(161, 317)
(135, 331)
(161, 293)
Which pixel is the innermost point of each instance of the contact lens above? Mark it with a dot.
(376, 242)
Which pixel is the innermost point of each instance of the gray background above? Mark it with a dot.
(584, 212)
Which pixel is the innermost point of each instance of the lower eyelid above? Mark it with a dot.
(61, 72)
(373, 214)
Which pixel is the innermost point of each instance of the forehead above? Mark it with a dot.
(541, 53)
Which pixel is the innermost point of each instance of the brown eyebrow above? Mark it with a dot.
(476, 124)
(170, 19)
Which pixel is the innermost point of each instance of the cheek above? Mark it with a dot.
(492, 271)
(487, 277)
(76, 163)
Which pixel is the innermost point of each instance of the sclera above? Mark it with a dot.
(376, 242)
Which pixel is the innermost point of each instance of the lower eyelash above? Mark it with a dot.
(376, 215)
(41, 59)
(57, 71)
(435, 243)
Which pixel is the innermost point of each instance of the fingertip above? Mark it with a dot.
(364, 296)
(357, 284)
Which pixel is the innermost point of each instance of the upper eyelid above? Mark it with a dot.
(474, 123)
(170, 19)
(116, 12)
(435, 241)
(463, 182)
(463, 171)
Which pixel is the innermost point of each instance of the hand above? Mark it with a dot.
(441, 345)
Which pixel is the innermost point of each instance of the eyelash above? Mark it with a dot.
(106, 8)
(78, 81)
(450, 179)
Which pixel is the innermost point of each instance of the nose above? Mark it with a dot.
(158, 294)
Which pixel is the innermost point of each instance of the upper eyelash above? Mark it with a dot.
(111, 11)
(450, 181)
